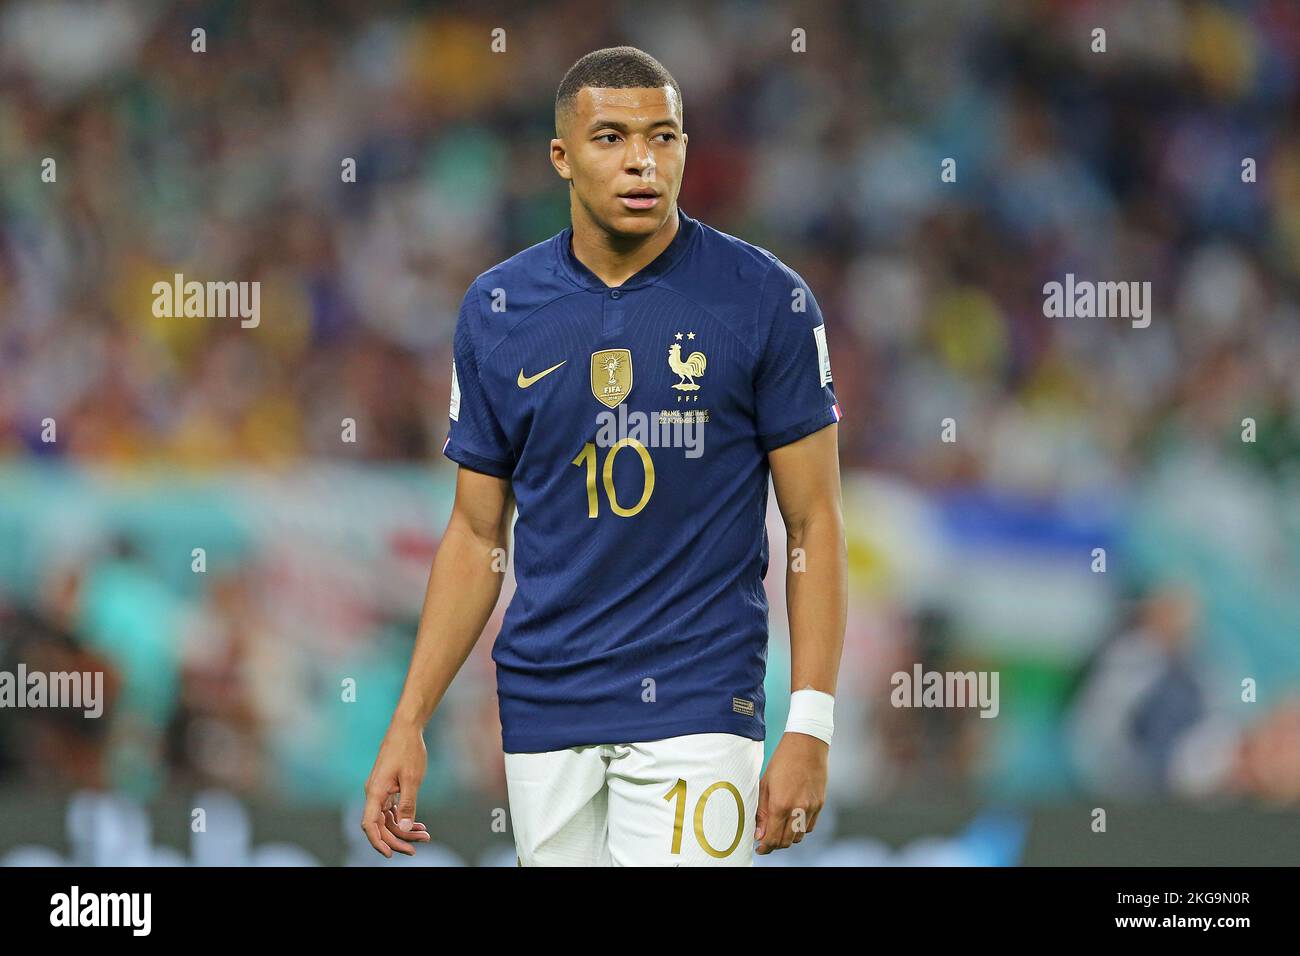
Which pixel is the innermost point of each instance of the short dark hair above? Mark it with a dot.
(614, 68)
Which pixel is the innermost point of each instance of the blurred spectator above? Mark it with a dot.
(1141, 697)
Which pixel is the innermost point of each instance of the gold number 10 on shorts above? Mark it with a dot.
(678, 793)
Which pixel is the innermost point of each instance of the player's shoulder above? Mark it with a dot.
(530, 272)
(723, 246)
(741, 283)
(501, 296)
(746, 264)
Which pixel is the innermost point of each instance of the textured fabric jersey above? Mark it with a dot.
(634, 425)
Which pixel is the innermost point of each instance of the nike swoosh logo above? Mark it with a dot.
(526, 380)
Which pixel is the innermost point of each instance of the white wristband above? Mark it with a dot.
(812, 713)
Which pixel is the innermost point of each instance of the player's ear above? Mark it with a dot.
(560, 159)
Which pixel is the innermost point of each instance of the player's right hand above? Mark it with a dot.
(388, 819)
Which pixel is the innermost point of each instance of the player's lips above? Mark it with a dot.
(641, 198)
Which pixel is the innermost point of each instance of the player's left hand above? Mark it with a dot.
(791, 793)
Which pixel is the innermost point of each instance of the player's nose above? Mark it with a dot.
(639, 156)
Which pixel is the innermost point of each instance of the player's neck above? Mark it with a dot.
(613, 259)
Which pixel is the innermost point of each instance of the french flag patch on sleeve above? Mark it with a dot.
(838, 413)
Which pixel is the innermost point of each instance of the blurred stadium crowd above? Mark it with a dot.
(1125, 165)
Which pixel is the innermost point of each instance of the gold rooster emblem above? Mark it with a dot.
(687, 371)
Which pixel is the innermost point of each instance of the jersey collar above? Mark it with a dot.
(649, 274)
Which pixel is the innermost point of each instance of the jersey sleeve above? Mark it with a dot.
(476, 439)
(792, 384)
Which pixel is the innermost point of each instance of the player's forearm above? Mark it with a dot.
(463, 588)
(816, 587)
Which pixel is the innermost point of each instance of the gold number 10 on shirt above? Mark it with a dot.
(588, 455)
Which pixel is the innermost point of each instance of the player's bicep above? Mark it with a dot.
(806, 477)
(484, 505)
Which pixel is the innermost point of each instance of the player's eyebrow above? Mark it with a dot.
(623, 127)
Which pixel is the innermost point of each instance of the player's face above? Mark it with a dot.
(624, 151)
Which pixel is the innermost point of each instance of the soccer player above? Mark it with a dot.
(627, 386)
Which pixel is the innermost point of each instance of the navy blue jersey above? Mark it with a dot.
(634, 425)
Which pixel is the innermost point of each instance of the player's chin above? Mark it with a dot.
(638, 222)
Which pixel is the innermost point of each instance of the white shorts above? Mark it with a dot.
(681, 801)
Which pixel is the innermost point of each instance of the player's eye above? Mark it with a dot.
(669, 135)
(607, 136)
